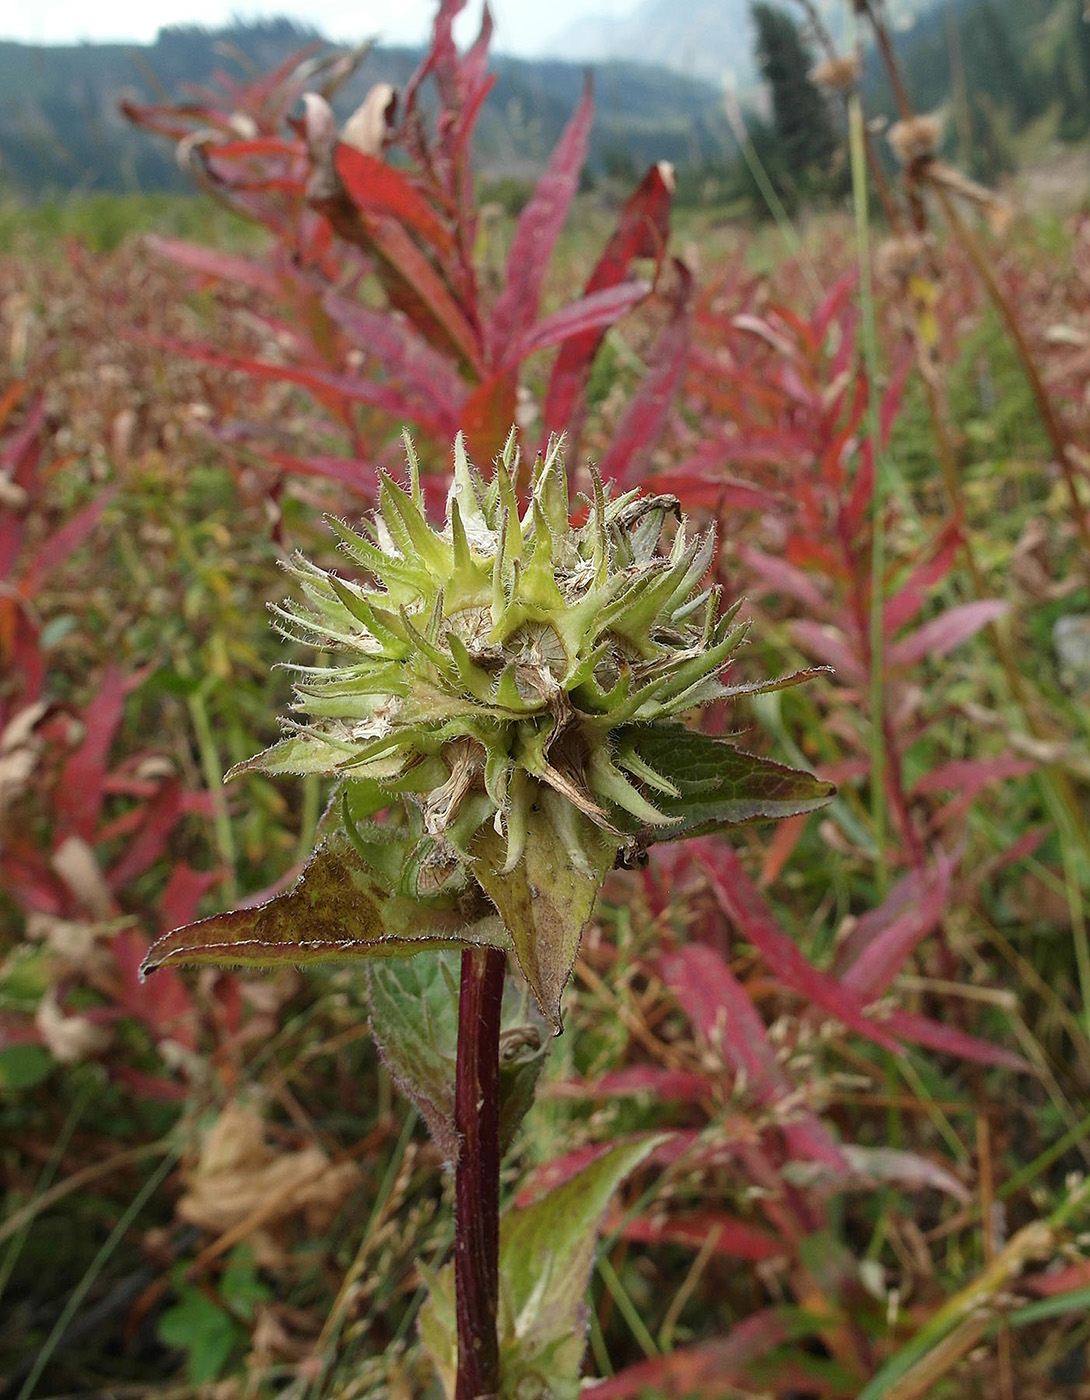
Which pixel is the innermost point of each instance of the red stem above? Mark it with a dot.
(477, 1177)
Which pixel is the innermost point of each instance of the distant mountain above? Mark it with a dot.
(710, 40)
(61, 131)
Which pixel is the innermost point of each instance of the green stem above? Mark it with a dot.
(869, 330)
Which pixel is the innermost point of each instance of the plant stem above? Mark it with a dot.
(477, 1177)
(869, 329)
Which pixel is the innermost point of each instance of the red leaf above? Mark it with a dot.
(80, 791)
(642, 232)
(720, 1011)
(714, 493)
(713, 1368)
(404, 357)
(582, 317)
(943, 633)
(640, 428)
(883, 938)
(634, 1080)
(162, 1003)
(535, 235)
(735, 1238)
(158, 820)
(740, 900)
(782, 577)
(903, 606)
(360, 476)
(488, 413)
(827, 644)
(966, 776)
(1063, 1280)
(184, 890)
(414, 286)
(376, 187)
(151, 1086)
(223, 267)
(949, 1041)
(55, 550)
(322, 383)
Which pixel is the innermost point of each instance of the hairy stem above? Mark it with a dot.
(477, 1179)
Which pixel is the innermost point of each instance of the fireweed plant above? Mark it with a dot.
(504, 726)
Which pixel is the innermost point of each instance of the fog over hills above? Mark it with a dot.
(708, 39)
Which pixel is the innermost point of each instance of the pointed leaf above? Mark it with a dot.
(535, 234)
(546, 1255)
(642, 231)
(378, 187)
(711, 1368)
(588, 316)
(943, 633)
(720, 785)
(547, 900)
(414, 1019)
(336, 910)
(717, 1005)
(741, 901)
(643, 422)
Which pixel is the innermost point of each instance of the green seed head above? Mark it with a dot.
(507, 661)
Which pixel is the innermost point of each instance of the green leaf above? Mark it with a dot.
(546, 1255)
(241, 1287)
(414, 1019)
(547, 900)
(718, 785)
(203, 1331)
(337, 909)
(23, 1066)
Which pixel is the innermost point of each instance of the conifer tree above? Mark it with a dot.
(801, 119)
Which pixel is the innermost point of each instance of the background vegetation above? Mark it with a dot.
(863, 1035)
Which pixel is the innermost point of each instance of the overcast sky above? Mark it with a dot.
(521, 25)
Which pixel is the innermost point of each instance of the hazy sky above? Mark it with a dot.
(521, 25)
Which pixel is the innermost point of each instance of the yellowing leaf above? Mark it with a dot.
(336, 910)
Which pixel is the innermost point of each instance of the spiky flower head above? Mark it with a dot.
(510, 659)
(506, 690)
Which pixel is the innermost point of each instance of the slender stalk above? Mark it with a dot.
(878, 499)
(1005, 307)
(477, 1177)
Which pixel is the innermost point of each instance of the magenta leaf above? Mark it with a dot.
(726, 1019)
(535, 235)
(642, 232)
(943, 633)
(639, 430)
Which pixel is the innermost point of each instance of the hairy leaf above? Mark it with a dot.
(414, 1019)
(547, 900)
(720, 785)
(336, 910)
(546, 1255)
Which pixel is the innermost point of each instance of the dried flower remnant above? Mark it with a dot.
(915, 140)
(369, 125)
(837, 74)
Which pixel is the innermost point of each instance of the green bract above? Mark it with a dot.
(506, 656)
(507, 688)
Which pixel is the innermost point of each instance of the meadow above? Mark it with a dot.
(859, 1038)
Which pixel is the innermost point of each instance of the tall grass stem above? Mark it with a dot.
(869, 332)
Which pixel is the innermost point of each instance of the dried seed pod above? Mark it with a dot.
(915, 139)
